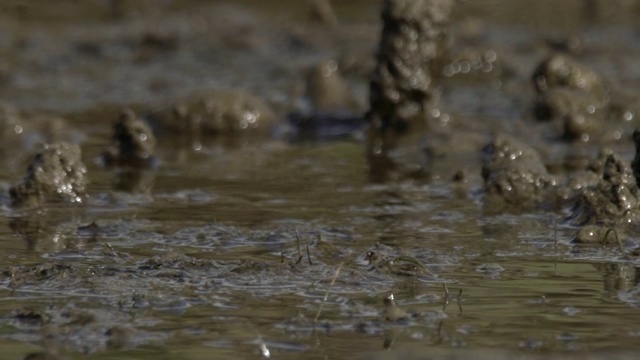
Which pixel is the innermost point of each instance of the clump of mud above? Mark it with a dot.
(608, 210)
(571, 93)
(403, 86)
(515, 176)
(562, 71)
(330, 110)
(328, 90)
(132, 144)
(214, 113)
(577, 99)
(403, 89)
(581, 113)
(56, 174)
(614, 200)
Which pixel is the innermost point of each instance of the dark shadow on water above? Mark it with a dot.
(619, 277)
(134, 181)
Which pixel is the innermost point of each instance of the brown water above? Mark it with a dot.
(201, 260)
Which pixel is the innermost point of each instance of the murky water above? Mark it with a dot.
(232, 248)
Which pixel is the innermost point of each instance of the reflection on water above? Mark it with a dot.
(619, 277)
(134, 180)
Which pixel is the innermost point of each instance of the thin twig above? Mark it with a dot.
(326, 295)
(411, 259)
(555, 247)
(446, 296)
(299, 251)
(439, 333)
(264, 350)
(606, 237)
(298, 242)
(309, 256)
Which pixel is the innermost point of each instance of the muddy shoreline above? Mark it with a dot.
(300, 180)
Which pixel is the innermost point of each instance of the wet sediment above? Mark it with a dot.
(403, 89)
(132, 144)
(56, 174)
(197, 241)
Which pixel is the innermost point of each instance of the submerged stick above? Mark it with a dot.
(412, 260)
(440, 336)
(555, 247)
(298, 242)
(264, 350)
(446, 296)
(299, 251)
(606, 237)
(326, 295)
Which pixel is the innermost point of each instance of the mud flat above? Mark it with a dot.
(323, 179)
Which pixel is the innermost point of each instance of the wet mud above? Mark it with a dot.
(403, 89)
(324, 179)
(132, 143)
(57, 173)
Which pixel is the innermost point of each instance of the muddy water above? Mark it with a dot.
(228, 248)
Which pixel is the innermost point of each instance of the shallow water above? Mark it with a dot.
(199, 259)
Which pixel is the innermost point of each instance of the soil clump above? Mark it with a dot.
(56, 174)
